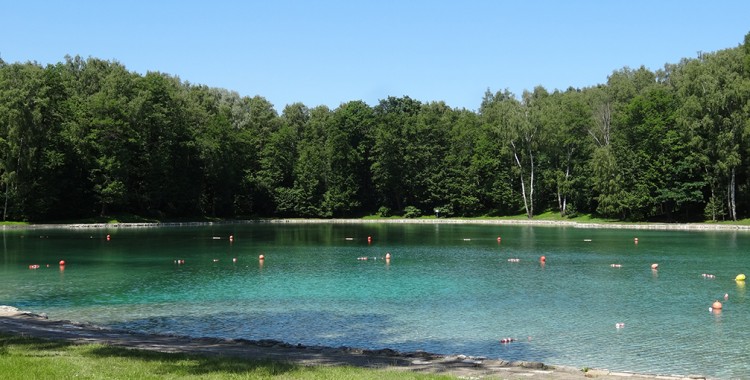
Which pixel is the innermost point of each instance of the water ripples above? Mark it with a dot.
(439, 293)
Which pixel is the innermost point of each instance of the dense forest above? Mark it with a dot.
(87, 137)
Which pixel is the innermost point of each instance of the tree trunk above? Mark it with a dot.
(526, 198)
(5, 206)
(731, 197)
(530, 213)
(562, 200)
(603, 119)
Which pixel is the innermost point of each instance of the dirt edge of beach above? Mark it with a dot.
(498, 222)
(24, 323)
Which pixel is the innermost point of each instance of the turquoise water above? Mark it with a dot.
(447, 289)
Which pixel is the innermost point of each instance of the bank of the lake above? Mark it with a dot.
(478, 221)
(28, 324)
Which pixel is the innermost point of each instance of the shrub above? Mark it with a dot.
(412, 212)
(446, 211)
(384, 212)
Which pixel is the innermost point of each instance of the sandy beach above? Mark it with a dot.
(18, 322)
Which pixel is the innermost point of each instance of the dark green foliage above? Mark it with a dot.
(384, 212)
(87, 137)
(412, 212)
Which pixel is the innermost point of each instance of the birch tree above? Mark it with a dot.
(515, 125)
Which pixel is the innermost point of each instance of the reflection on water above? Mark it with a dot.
(447, 289)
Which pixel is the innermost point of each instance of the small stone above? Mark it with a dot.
(532, 365)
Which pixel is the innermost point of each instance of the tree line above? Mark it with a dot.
(87, 137)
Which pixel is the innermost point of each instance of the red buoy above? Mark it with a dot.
(62, 263)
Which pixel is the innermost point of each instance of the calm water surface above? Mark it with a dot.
(448, 289)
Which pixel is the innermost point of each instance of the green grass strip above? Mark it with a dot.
(31, 358)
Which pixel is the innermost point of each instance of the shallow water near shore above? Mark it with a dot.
(447, 289)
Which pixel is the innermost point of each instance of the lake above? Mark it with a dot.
(448, 289)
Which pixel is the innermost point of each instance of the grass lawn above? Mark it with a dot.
(28, 358)
(7, 223)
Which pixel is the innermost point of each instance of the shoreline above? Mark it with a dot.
(498, 222)
(28, 324)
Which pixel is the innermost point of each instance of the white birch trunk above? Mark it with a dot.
(523, 182)
(731, 196)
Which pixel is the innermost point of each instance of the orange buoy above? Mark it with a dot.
(109, 238)
(654, 266)
(387, 255)
(499, 239)
(716, 305)
(543, 259)
(369, 239)
(635, 240)
(261, 257)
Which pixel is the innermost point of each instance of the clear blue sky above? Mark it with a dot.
(333, 51)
